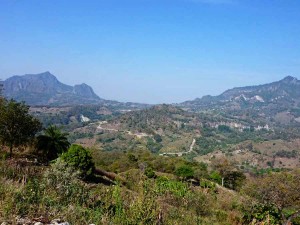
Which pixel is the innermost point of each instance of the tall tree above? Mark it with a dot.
(53, 142)
(17, 126)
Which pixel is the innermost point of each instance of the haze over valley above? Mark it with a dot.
(155, 112)
(230, 122)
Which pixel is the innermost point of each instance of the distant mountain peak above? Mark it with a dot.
(84, 90)
(289, 79)
(44, 88)
(46, 73)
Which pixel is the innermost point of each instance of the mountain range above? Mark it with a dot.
(273, 97)
(45, 89)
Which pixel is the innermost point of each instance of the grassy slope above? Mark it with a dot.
(44, 193)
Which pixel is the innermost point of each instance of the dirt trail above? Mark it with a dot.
(181, 153)
(139, 135)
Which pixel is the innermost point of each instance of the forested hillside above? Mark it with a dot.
(46, 179)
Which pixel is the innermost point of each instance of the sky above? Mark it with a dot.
(152, 51)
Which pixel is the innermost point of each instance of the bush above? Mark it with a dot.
(81, 159)
(185, 172)
(215, 176)
(260, 213)
(234, 180)
(157, 138)
(149, 172)
(286, 154)
(176, 188)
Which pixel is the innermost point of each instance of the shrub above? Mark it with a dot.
(157, 138)
(234, 180)
(215, 176)
(149, 172)
(185, 171)
(81, 159)
(64, 180)
(286, 154)
(260, 213)
(165, 185)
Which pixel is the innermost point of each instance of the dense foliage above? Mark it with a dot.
(80, 159)
(17, 126)
(52, 143)
(281, 191)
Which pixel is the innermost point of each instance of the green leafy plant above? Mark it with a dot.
(149, 172)
(185, 172)
(80, 158)
(52, 143)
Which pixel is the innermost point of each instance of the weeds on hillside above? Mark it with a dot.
(58, 192)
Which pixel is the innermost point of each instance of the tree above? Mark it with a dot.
(52, 143)
(230, 176)
(215, 176)
(281, 190)
(234, 180)
(17, 126)
(201, 171)
(223, 166)
(185, 172)
(80, 159)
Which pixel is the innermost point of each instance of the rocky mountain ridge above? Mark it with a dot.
(284, 94)
(46, 89)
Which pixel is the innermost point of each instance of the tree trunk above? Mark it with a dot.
(110, 175)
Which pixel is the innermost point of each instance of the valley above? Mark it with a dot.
(237, 124)
(145, 112)
(209, 148)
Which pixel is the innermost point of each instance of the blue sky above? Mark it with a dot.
(152, 51)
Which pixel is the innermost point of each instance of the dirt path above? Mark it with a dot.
(181, 153)
(139, 135)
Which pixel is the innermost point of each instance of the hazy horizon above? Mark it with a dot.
(151, 51)
(146, 102)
